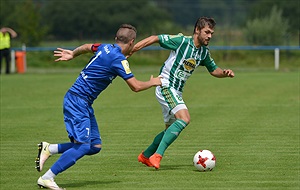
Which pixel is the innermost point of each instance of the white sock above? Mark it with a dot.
(48, 175)
(53, 148)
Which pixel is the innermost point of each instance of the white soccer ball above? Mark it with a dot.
(204, 160)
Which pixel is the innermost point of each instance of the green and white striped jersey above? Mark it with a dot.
(184, 58)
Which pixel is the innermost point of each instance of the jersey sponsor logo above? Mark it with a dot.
(182, 75)
(125, 65)
(189, 64)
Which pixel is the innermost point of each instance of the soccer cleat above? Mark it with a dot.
(49, 184)
(155, 160)
(143, 159)
(43, 155)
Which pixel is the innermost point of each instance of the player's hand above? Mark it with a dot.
(156, 81)
(63, 54)
(130, 54)
(228, 73)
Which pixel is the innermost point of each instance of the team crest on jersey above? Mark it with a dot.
(125, 65)
(189, 64)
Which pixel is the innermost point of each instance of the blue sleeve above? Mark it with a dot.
(121, 66)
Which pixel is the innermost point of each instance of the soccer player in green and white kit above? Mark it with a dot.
(187, 53)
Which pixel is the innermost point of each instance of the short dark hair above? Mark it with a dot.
(125, 33)
(203, 21)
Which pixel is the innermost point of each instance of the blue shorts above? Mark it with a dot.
(80, 120)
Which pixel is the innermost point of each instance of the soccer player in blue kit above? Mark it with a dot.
(108, 62)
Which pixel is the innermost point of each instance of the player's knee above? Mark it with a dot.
(186, 119)
(94, 149)
(183, 115)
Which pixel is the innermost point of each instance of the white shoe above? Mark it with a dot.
(49, 184)
(43, 155)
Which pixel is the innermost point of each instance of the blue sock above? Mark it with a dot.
(63, 147)
(70, 156)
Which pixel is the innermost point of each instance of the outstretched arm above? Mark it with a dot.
(219, 73)
(66, 55)
(144, 43)
(137, 86)
(9, 30)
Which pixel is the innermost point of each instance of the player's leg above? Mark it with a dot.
(77, 121)
(7, 60)
(67, 159)
(1, 57)
(151, 149)
(45, 150)
(169, 118)
(173, 132)
(145, 155)
(96, 142)
(174, 103)
(153, 146)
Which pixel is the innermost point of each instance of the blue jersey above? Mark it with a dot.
(107, 63)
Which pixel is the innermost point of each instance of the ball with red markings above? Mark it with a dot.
(204, 160)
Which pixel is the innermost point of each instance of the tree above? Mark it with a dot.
(5, 13)
(91, 19)
(25, 18)
(290, 10)
(269, 30)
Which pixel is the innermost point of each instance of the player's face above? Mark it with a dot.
(204, 35)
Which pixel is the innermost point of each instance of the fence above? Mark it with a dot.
(276, 50)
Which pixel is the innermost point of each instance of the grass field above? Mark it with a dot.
(250, 123)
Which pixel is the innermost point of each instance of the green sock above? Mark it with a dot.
(170, 135)
(152, 148)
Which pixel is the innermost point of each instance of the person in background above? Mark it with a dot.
(108, 62)
(187, 53)
(5, 35)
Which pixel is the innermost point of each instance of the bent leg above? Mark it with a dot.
(171, 135)
(153, 147)
(69, 157)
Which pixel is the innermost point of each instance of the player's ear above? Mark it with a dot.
(131, 42)
(197, 30)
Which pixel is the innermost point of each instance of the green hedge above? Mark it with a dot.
(241, 59)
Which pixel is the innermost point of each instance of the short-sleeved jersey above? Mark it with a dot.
(184, 58)
(107, 63)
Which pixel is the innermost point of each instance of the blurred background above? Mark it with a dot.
(47, 24)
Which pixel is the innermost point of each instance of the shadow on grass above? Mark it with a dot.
(174, 167)
(88, 183)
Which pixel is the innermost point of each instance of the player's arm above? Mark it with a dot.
(221, 73)
(13, 33)
(144, 43)
(214, 70)
(137, 86)
(66, 55)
